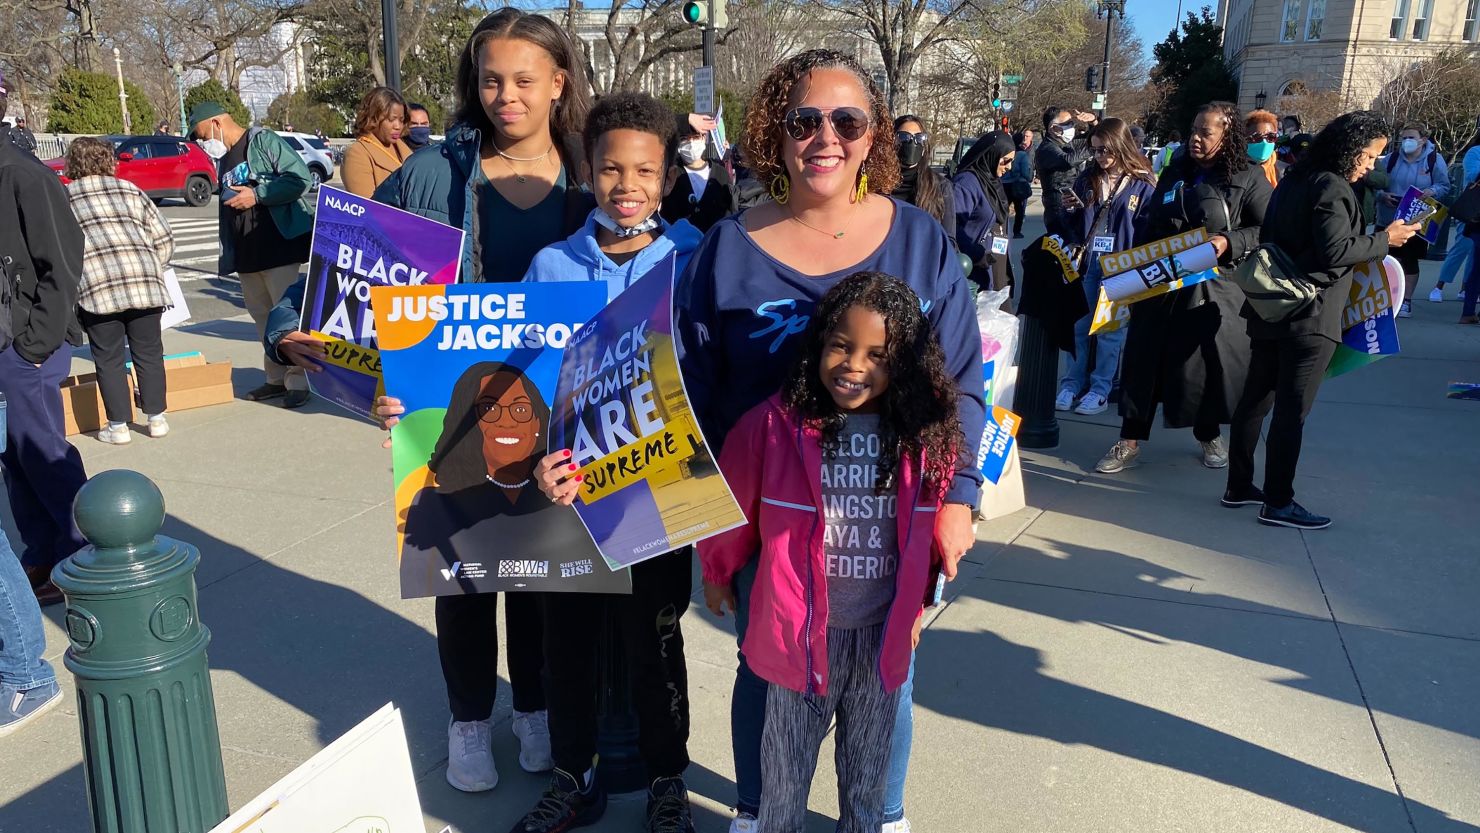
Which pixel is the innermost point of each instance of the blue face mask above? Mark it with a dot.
(419, 136)
(1260, 152)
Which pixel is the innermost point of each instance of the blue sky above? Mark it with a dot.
(1153, 18)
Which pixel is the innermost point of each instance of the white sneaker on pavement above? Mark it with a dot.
(1214, 453)
(533, 731)
(746, 823)
(1064, 401)
(901, 826)
(158, 426)
(1437, 295)
(470, 756)
(115, 434)
(1091, 404)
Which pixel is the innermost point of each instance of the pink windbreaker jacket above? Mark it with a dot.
(774, 465)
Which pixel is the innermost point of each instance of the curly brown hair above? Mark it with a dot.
(766, 114)
(87, 156)
(375, 108)
(918, 417)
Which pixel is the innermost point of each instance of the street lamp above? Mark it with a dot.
(122, 96)
(1107, 9)
(180, 92)
(1259, 100)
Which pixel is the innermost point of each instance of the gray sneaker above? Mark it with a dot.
(1120, 457)
(17, 708)
(1215, 454)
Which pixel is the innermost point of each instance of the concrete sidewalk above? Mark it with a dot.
(1123, 655)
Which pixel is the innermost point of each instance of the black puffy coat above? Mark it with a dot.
(40, 257)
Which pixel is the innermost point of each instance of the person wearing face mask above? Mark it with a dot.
(983, 210)
(1263, 136)
(1019, 180)
(1061, 156)
(705, 194)
(418, 127)
(918, 184)
(377, 151)
(1416, 163)
(266, 220)
(1187, 351)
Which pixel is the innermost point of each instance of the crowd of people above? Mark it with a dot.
(830, 317)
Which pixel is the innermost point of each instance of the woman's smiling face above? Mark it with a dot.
(825, 164)
(508, 421)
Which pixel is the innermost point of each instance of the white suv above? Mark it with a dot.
(315, 153)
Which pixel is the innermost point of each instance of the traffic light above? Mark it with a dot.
(1091, 78)
(1004, 124)
(708, 13)
(996, 94)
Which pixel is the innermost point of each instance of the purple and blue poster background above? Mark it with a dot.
(359, 243)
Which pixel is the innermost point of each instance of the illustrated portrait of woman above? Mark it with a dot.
(484, 504)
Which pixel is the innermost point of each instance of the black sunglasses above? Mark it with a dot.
(1264, 137)
(849, 122)
(905, 137)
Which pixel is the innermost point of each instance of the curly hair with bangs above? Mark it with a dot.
(766, 115)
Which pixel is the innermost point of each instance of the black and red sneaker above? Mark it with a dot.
(565, 805)
(668, 807)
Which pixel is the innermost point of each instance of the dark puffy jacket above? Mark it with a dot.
(1059, 164)
(40, 257)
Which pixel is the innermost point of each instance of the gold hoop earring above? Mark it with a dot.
(780, 189)
(862, 188)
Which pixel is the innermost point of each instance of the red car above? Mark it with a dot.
(162, 166)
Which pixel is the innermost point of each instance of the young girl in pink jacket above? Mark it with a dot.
(840, 476)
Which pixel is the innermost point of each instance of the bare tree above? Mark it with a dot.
(625, 40)
(765, 33)
(1442, 92)
(360, 23)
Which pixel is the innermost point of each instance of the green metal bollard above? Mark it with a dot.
(138, 650)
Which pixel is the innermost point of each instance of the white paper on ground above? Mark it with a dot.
(360, 783)
(178, 312)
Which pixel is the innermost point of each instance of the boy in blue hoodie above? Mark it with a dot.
(631, 143)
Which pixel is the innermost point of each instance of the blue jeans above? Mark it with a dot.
(21, 639)
(1460, 248)
(1472, 283)
(748, 720)
(1107, 353)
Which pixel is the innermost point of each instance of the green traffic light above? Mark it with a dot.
(996, 102)
(693, 12)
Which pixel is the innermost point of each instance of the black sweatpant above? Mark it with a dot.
(467, 643)
(650, 631)
(107, 334)
(1019, 208)
(1284, 374)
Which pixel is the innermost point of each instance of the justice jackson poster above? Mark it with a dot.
(651, 484)
(475, 367)
(1369, 323)
(359, 243)
(1148, 270)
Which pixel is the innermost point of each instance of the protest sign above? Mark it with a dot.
(1417, 208)
(358, 244)
(1369, 323)
(178, 312)
(475, 365)
(651, 484)
(1148, 270)
(1463, 390)
(999, 437)
(360, 783)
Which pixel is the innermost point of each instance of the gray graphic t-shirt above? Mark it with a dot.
(861, 539)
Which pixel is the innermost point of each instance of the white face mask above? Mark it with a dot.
(691, 151)
(1067, 133)
(214, 147)
(605, 221)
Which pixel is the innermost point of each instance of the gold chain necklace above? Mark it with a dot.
(836, 235)
(510, 160)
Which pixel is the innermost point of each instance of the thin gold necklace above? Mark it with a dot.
(510, 160)
(836, 235)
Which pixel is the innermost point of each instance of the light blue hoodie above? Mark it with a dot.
(579, 258)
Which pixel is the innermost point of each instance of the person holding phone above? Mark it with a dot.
(1414, 163)
(1061, 156)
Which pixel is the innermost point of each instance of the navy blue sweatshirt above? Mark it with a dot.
(742, 313)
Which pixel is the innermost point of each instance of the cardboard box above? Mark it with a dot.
(193, 382)
(82, 404)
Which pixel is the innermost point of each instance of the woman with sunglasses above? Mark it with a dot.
(1187, 351)
(1263, 129)
(983, 210)
(818, 133)
(1103, 208)
(918, 184)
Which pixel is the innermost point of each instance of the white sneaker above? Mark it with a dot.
(158, 426)
(746, 823)
(533, 731)
(115, 434)
(470, 756)
(1437, 295)
(1091, 404)
(1065, 400)
(901, 826)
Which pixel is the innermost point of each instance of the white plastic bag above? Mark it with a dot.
(999, 369)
